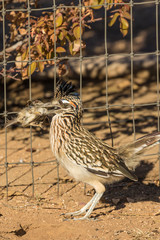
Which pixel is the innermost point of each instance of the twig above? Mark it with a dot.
(12, 77)
(95, 20)
(13, 47)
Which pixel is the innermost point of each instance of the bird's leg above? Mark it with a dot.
(83, 209)
(95, 200)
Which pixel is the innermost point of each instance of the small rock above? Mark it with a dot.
(130, 200)
(115, 200)
(29, 150)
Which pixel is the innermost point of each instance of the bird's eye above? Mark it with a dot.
(71, 103)
(64, 101)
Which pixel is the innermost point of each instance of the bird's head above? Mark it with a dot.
(66, 101)
(67, 106)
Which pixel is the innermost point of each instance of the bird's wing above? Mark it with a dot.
(88, 151)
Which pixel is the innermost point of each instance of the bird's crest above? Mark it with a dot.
(65, 89)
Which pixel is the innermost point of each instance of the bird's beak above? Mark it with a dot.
(51, 107)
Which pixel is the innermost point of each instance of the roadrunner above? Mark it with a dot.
(87, 158)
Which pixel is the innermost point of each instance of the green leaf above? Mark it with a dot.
(59, 19)
(60, 50)
(113, 20)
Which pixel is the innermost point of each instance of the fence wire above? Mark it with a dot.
(132, 55)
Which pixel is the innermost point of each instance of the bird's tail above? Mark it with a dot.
(131, 152)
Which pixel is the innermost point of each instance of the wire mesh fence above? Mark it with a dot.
(132, 55)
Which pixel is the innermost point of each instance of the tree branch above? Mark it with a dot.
(13, 47)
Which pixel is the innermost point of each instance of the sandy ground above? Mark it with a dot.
(127, 210)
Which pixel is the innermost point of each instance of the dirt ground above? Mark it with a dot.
(128, 210)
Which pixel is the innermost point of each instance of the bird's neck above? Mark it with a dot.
(67, 121)
(61, 129)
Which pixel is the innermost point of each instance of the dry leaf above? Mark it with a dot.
(23, 31)
(60, 50)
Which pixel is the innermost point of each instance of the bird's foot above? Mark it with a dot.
(73, 218)
(70, 216)
(76, 213)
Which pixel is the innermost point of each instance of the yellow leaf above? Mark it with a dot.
(41, 66)
(110, 5)
(64, 32)
(50, 54)
(59, 20)
(124, 32)
(97, 2)
(53, 38)
(71, 49)
(18, 62)
(61, 36)
(40, 23)
(127, 15)
(39, 48)
(74, 24)
(113, 20)
(124, 25)
(50, 32)
(24, 74)
(32, 68)
(77, 33)
(25, 55)
(60, 50)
